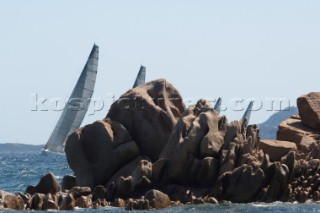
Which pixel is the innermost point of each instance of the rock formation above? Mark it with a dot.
(309, 110)
(276, 149)
(192, 154)
(150, 153)
(303, 129)
(149, 113)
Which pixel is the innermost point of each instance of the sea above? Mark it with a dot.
(18, 170)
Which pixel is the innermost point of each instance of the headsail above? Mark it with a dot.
(77, 105)
(141, 77)
(247, 114)
(217, 106)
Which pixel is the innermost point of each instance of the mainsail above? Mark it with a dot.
(141, 77)
(77, 105)
(247, 114)
(217, 106)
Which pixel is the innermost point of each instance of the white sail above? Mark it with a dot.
(77, 105)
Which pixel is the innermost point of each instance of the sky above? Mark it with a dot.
(236, 50)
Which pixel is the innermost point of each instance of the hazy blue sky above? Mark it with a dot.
(205, 48)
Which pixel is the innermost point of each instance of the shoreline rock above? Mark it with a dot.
(151, 153)
(205, 156)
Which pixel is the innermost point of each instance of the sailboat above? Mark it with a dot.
(76, 107)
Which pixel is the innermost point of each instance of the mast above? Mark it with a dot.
(77, 105)
(141, 77)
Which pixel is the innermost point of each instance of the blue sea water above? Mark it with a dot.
(18, 170)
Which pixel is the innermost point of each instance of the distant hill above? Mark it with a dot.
(16, 147)
(268, 129)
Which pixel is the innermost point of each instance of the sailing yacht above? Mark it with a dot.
(76, 107)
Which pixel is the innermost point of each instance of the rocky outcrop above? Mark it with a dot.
(194, 145)
(276, 149)
(292, 129)
(150, 154)
(149, 112)
(309, 110)
(234, 184)
(303, 164)
(303, 129)
(193, 155)
(137, 127)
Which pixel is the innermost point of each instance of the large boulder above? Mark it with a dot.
(276, 149)
(99, 150)
(309, 109)
(293, 130)
(149, 112)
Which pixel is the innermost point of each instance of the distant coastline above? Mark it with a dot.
(17, 147)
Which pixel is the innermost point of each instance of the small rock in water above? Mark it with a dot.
(157, 199)
(68, 182)
(78, 191)
(68, 203)
(84, 202)
(11, 201)
(47, 184)
(99, 192)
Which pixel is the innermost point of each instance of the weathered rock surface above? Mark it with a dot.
(150, 154)
(157, 199)
(36, 201)
(295, 131)
(309, 109)
(235, 185)
(84, 202)
(99, 150)
(198, 155)
(50, 202)
(149, 112)
(11, 201)
(68, 182)
(194, 144)
(78, 191)
(68, 203)
(137, 125)
(276, 149)
(47, 184)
